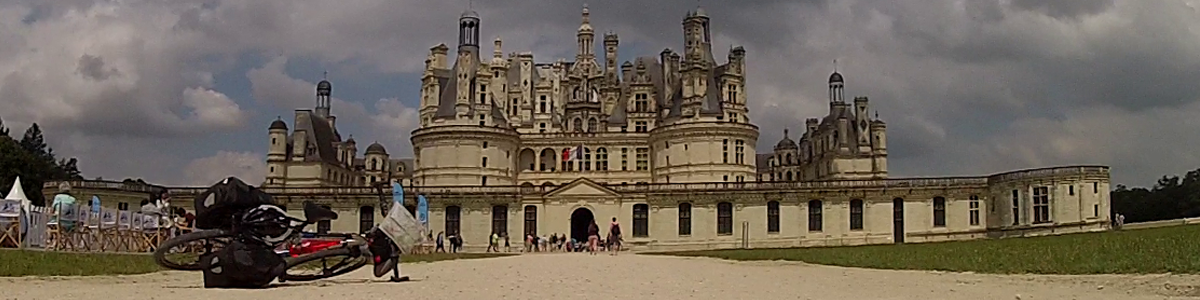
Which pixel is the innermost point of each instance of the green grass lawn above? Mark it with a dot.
(47, 263)
(1159, 250)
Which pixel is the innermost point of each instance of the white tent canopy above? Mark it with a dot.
(18, 193)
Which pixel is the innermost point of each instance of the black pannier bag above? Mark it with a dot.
(242, 265)
(216, 206)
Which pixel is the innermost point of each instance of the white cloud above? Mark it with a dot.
(251, 167)
(213, 109)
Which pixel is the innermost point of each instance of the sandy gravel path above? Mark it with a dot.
(578, 276)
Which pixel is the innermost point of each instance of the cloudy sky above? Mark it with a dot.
(182, 91)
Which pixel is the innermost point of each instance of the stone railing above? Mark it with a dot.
(105, 185)
(1048, 172)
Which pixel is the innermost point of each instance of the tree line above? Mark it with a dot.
(1172, 197)
(35, 162)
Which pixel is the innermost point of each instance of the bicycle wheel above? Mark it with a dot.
(325, 263)
(187, 248)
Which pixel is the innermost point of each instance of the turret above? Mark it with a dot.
(324, 92)
(376, 161)
(585, 37)
(610, 57)
(879, 148)
(277, 152)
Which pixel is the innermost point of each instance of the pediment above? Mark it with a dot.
(583, 187)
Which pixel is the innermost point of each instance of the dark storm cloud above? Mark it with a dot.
(1064, 8)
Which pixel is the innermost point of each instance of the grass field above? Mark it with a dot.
(1159, 250)
(46, 263)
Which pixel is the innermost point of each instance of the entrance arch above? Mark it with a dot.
(581, 218)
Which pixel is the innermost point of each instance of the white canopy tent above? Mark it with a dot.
(18, 193)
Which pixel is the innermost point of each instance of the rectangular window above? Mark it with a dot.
(939, 212)
(856, 214)
(483, 180)
(530, 220)
(641, 220)
(643, 159)
(685, 219)
(1095, 187)
(725, 151)
(484, 163)
(724, 218)
(1041, 204)
(453, 214)
(814, 216)
(739, 155)
(641, 102)
(773, 217)
(974, 214)
(485, 145)
(641, 126)
(1016, 207)
(500, 219)
(1071, 190)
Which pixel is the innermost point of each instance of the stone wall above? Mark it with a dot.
(1078, 202)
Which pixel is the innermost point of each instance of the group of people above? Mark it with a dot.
(552, 243)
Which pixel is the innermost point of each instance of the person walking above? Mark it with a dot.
(441, 242)
(593, 237)
(507, 246)
(614, 236)
(494, 243)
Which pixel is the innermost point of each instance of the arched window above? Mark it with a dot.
(939, 212)
(578, 124)
(593, 126)
(601, 159)
(789, 175)
(366, 219)
(372, 164)
(724, 218)
(530, 220)
(324, 226)
(856, 214)
(641, 220)
(685, 219)
(500, 219)
(814, 216)
(773, 217)
(586, 164)
(453, 219)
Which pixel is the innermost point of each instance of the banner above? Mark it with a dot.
(95, 204)
(422, 210)
(398, 193)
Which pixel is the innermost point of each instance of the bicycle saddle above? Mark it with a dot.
(315, 213)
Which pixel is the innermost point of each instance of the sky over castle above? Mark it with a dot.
(181, 92)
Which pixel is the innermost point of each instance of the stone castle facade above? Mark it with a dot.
(663, 144)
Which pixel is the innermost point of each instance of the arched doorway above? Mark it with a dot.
(580, 219)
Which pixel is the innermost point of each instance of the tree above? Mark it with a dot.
(34, 161)
(1171, 197)
(3, 130)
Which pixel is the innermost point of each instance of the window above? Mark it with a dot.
(1041, 205)
(641, 102)
(453, 220)
(624, 159)
(484, 162)
(500, 219)
(483, 180)
(542, 103)
(578, 125)
(530, 220)
(731, 93)
(773, 217)
(593, 125)
(123, 206)
(739, 149)
(814, 215)
(974, 214)
(601, 159)
(725, 151)
(685, 219)
(643, 159)
(724, 218)
(366, 219)
(1071, 190)
(939, 212)
(485, 145)
(542, 127)
(856, 214)
(1016, 207)
(323, 227)
(641, 220)
(586, 164)
(640, 126)
(1095, 187)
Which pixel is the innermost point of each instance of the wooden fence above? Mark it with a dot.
(81, 228)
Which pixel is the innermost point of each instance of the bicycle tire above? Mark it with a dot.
(352, 252)
(161, 252)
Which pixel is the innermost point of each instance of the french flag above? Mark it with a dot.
(573, 153)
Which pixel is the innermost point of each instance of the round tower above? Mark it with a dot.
(376, 161)
(277, 152)
(465, 155)
(703, 152)
(787, 159)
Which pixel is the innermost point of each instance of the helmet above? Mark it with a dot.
(266, 223)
